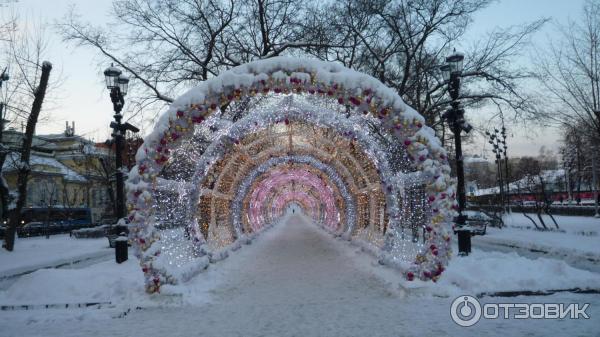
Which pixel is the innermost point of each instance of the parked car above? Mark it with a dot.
(36, 228)
(33, 228)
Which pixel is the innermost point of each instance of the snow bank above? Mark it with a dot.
(578, 236)
(477, 273)
(494, 271)
(102, 282)
(39, 252)
(123, 283)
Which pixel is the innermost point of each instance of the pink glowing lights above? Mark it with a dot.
(282, 186)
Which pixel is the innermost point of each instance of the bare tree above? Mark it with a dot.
(535, 183)
(7, 28)
(530, 184)
(36, 107)
(403, 44)
(191, 40)
(29, 81)
(580, 152)
(48, 189)
(569, 71)
(23, 48)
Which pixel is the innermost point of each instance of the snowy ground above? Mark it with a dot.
(294, 280)
(34, 253)
(577, 241)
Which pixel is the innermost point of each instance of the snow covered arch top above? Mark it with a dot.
(359, 92)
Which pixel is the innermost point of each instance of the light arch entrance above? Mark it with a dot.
(360, 94)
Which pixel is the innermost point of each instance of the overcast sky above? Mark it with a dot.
(84, 99)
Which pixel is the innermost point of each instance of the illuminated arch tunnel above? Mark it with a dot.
(229, 157)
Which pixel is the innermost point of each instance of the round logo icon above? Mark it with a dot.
(465, 310)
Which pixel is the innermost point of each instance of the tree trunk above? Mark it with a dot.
(552, 217)
(531, 219)
(3, 190)
(109, 188)
(23, 169)
(539, 215)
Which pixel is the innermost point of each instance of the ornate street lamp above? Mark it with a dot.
(3, 77)
(118, 85)
(452, 71)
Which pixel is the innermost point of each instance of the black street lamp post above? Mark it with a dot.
(455, 116)
(3, 77)
(118, 84)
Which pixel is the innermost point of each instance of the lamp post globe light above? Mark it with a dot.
(118, 85)
(452, 72)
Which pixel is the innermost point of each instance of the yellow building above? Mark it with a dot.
(67, 172)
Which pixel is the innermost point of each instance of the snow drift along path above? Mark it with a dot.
(296, 280)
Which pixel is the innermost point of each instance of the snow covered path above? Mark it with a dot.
(296, 280)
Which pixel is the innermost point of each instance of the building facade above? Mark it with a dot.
(68, 172)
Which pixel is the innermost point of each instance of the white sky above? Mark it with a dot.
(84, 99)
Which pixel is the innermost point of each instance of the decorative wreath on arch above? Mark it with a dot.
(284, 75)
